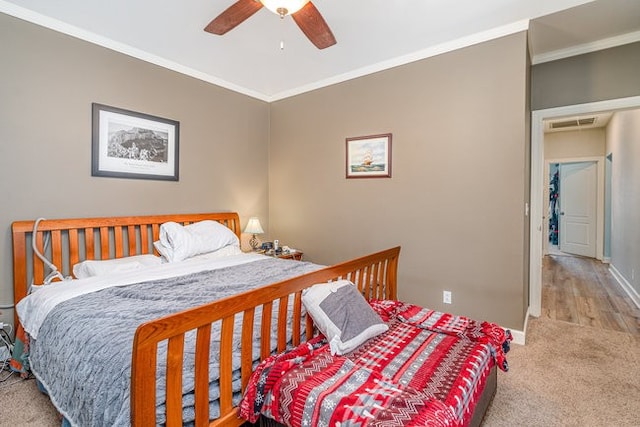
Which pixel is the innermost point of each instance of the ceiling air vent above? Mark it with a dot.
(573, 122)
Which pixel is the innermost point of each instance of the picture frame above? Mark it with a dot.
(129, 144)
(369, 156)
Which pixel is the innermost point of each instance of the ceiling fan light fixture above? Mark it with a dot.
(284, 7)
(303, 12)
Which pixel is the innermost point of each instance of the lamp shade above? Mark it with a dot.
(253, 226)
(284, 7)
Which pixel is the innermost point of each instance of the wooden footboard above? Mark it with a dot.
(375, 275)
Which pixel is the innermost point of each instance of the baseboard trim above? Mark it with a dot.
(520, 337)
(624, 284)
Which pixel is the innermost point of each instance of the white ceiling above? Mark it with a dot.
(371, 35)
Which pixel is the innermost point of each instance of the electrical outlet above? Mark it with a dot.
(446, 297)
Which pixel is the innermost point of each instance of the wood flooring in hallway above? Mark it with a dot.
(583, 291)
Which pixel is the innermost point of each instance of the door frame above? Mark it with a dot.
(606, 243)
(537, 180)
(599, 161)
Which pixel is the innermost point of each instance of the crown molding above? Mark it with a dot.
(79, 33)
(460, 43)
(586, 48)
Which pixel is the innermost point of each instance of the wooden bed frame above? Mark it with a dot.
(74, 240)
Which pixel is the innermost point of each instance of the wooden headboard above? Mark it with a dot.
(75, 240)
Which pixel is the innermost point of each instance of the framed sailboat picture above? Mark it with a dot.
(369, 156)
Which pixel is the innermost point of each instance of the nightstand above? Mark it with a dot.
(297, 255)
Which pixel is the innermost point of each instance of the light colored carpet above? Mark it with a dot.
(24, 405)
(569, 375)
(566, 375)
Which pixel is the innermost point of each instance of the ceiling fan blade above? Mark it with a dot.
(314, 26)
(233, 16)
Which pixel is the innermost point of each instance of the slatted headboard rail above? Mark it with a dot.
(74, 240)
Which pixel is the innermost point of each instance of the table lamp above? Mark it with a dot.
(253, 227)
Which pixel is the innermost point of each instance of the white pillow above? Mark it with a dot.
(179, 242)
(90, 268)
(342, 314)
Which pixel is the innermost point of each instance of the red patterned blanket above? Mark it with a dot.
(428, 369)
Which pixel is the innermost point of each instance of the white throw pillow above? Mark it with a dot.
(342, 314)
(90, 268)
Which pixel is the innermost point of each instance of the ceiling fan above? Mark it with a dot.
(303, 12)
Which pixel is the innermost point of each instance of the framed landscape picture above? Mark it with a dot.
(127, 144)
(369, 156)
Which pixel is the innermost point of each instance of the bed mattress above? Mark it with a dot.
(82, 354)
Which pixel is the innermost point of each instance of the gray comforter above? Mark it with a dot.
(83, 352)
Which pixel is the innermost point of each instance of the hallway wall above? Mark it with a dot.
(596, 76)
(576, 143)
(623, 142)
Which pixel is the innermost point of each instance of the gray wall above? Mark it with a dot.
(623, 142)
(456, 199)
(48, 82)
(460, 155)
(605, 74)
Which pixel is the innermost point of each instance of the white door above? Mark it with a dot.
(578, 187)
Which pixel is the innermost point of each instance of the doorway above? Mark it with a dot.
(537, 219)
(580, 230)
(572, 208)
